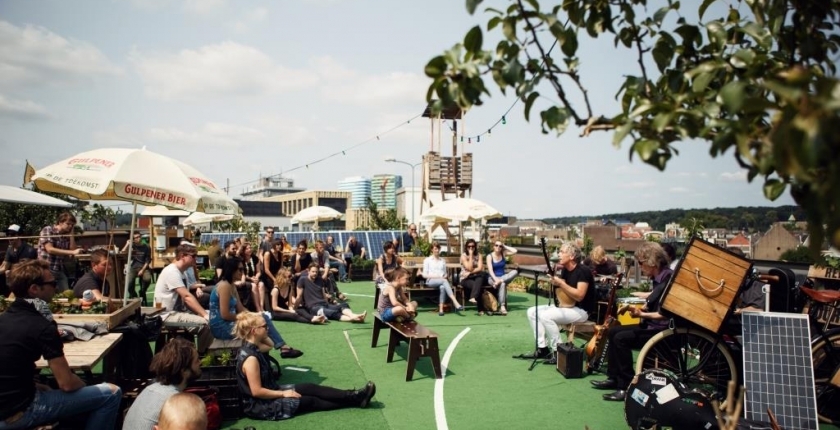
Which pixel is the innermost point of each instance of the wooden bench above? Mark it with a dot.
(422, 342)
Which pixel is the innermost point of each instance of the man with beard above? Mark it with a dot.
(174, 367)
(230, 252)
(56, 243)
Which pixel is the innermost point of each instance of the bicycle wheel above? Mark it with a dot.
(826, 357)
(694, 357)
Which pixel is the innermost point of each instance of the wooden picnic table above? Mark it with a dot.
(84, 356)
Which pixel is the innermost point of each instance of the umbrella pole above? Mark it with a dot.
(130, 248)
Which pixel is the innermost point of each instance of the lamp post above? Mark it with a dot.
(394, 160)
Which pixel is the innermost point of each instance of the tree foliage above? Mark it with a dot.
(383, 219)
(754, 76)
(32, 218)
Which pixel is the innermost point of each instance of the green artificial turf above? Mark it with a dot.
(484, 387)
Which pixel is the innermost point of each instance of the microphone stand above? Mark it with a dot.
(537, 310)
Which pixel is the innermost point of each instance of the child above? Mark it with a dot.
(393, 302)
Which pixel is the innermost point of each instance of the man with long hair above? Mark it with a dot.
(174, 367)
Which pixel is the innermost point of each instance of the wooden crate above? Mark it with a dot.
(117, 314)
(706, 284)
(821, 272)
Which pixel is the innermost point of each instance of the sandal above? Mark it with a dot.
(503, 312)
(480, 313)
(290, 353)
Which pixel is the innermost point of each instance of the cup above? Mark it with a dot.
(158, 305)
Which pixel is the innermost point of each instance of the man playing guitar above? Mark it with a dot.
(571, 284)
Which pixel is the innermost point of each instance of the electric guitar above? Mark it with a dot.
(596, 348)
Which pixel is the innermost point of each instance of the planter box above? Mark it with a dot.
(117, 314)
(823, 272)
(362, 274)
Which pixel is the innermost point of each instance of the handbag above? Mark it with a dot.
(489, 301)
(210, 396)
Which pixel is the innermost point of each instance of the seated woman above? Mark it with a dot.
(311, 296)
(393, 303)
(282, 302)
(252, 288)
(436, 275)
(225, 305)
(388, 260)
(265, 399)
(498, 278)
(300, 261)
(472, 276)
(272, 261)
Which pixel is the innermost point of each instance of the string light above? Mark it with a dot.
(478, 139)
(504, 120)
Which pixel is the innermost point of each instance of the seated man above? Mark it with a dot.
(623, 339)
(310, 294)
(573, 300)
(25, 336)
(18, 250)
(182, 309)
(321, 258)
(94, 280)
(174, 367)
(336, 259)
(353, 249)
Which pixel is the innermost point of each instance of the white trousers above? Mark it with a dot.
(550, 320)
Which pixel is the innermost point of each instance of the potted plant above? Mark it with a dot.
(362, 269)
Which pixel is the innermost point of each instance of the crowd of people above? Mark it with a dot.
(279, 283)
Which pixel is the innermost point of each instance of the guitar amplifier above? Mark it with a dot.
(570, 360)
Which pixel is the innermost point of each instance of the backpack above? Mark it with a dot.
(210, 396)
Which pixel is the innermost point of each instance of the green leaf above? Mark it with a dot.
(570, 45)
(742, 59)
(436, 66)
(473, 40)
(705, 5)
(661, 120)
(701, 82)
(659, 15)
(621, 132)
(509, 28)
(646, 148)
(472, 5)
(529, 102)
(493, 23)
(760, 34)
(663, 52)
(732, 96)
(773, 188)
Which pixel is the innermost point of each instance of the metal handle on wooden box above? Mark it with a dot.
(707, 291)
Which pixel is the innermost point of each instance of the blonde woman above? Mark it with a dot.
(600, 264)
(265, 399)
(436, 276)
(283, 301)
(498, 279)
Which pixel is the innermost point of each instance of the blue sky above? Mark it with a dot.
(243, 88)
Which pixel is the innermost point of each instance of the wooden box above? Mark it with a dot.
(117, 314)
(706, 284)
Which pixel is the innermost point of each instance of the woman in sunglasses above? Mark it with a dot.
(472, 275)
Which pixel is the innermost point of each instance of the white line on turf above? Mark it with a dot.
(347, 336)
(440, 412)
(358, 295)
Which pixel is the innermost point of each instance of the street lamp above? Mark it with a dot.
(394, 160)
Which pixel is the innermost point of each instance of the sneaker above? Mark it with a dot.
(553, 360)
(369, 392)
(320, 312)
(538, 354)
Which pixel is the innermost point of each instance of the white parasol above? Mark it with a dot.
(203, 218)
(315, 214)
(460, 210)
(162, 211)
(10, 194)
(137, 176)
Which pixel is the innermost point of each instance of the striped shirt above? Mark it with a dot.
(50, 234)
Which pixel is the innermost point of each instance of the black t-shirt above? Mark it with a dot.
(330, 248)
(572, 277)
(313, 291)
(89, 281)
(140, 255)
(25, 250)
(305, 261)
(25, 336)
(355, 248)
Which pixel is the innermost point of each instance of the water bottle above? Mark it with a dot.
(88, 295)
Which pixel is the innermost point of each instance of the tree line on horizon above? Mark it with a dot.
(747, 218)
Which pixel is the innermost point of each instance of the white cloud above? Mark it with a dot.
(21, 109)
(344, 85)
(637, 185)
(34, 55)
(228, 69)
(248, 19)
(211, 134)
(117, 139)
(678, 189)
(739, 176)
(204, 7)
(627, 170)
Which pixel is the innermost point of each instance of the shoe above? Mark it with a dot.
(553, 360)
(290, 353)
(606, 384)
(616, 396)
(369, 392)
(539, 353)
(440, 314)
(459, 309)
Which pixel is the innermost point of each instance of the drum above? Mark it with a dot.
(626, 318)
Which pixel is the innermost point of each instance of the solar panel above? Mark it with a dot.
(375, 240)
(778, 371)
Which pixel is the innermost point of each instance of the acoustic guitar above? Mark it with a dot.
(596, 348)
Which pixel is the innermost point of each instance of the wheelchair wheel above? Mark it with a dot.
(694, 357)
(826, 355)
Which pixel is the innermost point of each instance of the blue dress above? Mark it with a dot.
(221, 328)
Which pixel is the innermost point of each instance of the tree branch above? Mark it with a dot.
(641, 58)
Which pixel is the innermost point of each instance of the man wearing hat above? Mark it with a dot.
(18, 250)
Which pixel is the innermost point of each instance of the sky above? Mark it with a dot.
(243, 89)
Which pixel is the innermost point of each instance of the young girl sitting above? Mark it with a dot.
(393, 302)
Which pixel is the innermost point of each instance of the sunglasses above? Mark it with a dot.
(471, 246)
(497, 246)
(50, 283)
